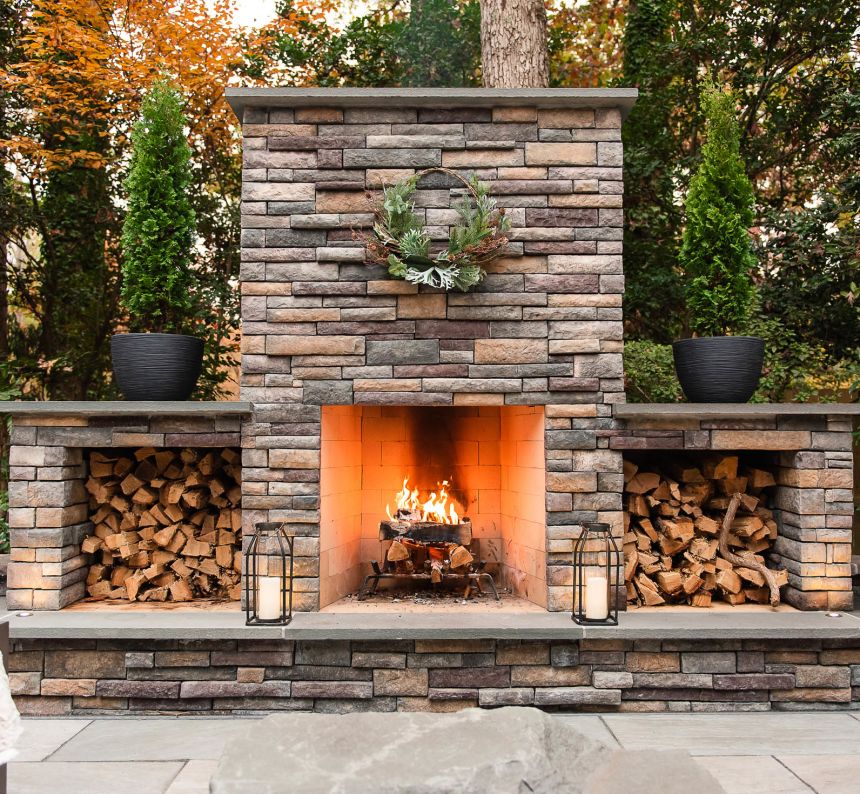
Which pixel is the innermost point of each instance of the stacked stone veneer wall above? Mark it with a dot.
(814, 499)
(48, 505)
(323, 328)
(85, 677)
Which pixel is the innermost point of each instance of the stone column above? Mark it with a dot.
(815, 516)
(48, 520)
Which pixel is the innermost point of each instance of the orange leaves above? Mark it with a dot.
(87, 64)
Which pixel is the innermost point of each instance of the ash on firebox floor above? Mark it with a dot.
(399, 600)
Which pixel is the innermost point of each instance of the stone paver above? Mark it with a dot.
(830, 774)
(729, 734)
(741, 774)
(193, 778)
(176, 739)
(150, 777)
(485, 752)
(41, 738)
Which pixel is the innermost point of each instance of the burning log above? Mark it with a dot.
(461, 557)
(397, 552)
(427, 532)
(166, 524)
(699, 534)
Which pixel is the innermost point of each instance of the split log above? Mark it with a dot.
(701, 599)
(461, 557)
(397, 552)
(649, 592)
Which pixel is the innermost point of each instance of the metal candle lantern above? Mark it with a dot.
(269, 576)
(595, 584)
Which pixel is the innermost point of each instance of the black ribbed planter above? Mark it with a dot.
(156, 366)
(719, 369)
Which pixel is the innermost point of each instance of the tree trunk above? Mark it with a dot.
(514, 44)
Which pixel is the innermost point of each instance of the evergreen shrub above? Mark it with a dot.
(158, 234)
(716, 255)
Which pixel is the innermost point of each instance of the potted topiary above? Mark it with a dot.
(717, 258)
(157, 360)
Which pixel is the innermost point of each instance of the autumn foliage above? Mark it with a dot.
(77, 72)
(87, 63)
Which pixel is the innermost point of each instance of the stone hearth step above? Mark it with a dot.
(507, 750)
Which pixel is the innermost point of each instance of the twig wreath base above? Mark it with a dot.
(401, 242)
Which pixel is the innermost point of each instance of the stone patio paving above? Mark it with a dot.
(763, 753)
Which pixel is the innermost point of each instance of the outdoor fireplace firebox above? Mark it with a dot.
(432, 501)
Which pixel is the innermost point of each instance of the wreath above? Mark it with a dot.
(401, 242)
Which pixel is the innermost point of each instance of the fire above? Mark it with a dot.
(434, 508)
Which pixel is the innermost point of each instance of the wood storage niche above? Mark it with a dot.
(166, 524)
(698, 529)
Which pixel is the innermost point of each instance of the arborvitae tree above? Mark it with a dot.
(158, 234)
(716, 254)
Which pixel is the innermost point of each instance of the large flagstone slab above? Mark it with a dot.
(475, 751)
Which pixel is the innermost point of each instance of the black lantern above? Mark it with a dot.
(269, 576)
(596, 576)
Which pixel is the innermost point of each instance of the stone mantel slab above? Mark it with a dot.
(86, 408)
(645, 624)
(727, 411)
(622, 98)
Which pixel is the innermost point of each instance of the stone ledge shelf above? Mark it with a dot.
(644, 625)
(123, 408)
(621, 98)
(644, 411)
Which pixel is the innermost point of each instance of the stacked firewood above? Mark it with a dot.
(694, 534)
(167, 524)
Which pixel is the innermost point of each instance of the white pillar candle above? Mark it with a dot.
(269, 598)
(596, 598)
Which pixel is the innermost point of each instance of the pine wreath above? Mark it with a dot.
(401, 242)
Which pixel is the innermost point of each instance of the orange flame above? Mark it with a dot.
(435, 508)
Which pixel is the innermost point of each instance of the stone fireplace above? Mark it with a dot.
(353, 382)
(345, 365)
